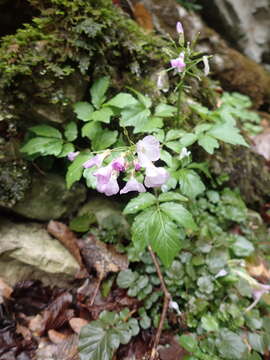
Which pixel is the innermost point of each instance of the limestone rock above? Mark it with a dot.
(48, 198)
(27, 251)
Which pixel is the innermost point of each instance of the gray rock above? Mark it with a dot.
(48, 198)
(245, 22)
(27, 252)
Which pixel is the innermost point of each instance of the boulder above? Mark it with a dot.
(27, 252)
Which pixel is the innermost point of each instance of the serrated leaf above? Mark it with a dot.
(208, 143)
(202, 128)
(256, 342)
(98, 91)
(83, 110)
(102, 115)
(95, 342)
(148, 124)
(190, 183)
(126, 278)
(163, 235)
(75, 170)
(227, 133)
(188, 342)
(44, 146)
(242, 247)
(231, 346)
(174, 134)
(179, 214)
(122, 101)
(140, 237)
(174, 145)
(209, 323)
(164, 110)
(71, 131)
(143, 99)
(200, 110)
(133, 115)
(188, 139)
(91, 130)
(66, 149)
(104, 139)
(91, 180)
(171, 196)
(141, 202)
(166, 157)
(47, 131)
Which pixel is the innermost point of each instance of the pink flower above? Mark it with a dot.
(179, 28)
(148, 150)
(155, 176)
(118, 164)
(132, 185)
(137, 166)
(95, 161)
(257, 292)
(179, 63)
(110, 188)
(103, 174)
(72, 155)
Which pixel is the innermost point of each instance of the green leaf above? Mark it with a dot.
(95, 342)
(256, 342)
(47, 131)
(144, 100)
(71, 131)
(122, 101)
(242, 247)
(208, 143)
(91, 180)
(134, 115)
(202, 128)
(188, 342)
(163, 235)
(174, 134)
(142, 201)
(126, 278)
(104, 139)
(103, 115)
(148, 124)
(75, 170)
(91, 130)
(179, 214)
(166, 157)
(231, 346)
(164, 110)
(98, 91)
(174, 145)
(188, 139)
(83, 110)
(202, 111)
(82, 223)
(190, 183)
(227, 133)
(209, 323)
(171, 196)
(140, 237)
(66, 149)
(44, 146)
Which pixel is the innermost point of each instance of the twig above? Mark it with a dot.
(167, 298)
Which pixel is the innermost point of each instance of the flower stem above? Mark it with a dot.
(178, 117)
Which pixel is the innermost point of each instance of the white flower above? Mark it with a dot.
(184, 153)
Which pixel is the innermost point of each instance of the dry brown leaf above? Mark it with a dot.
(103, 258)
(143, 17)
(56, 337)
(262, 144)
(257, 268)
(77, 323)
(5, 291)
(36, 325)
(67, 349)
(62, 233)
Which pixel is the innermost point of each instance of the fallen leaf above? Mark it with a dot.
(5, 291)
(103, 258)
(257, 267)
(36, 325)
(56, 337)
(262, 144)
(62, 233)
(68, 349)
(143, 16)
(77, 323)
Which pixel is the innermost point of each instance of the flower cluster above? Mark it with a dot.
(147, 151)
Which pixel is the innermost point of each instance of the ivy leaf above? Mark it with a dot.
(164, 110)
(208, 143)
(142, 201)
(171, 196)
(83, 110)
(71, 131)
(47, 131)
(227, 133)
(163, 235)
(122, 101)
(126, 278)
(188, 342)
(98, 91)
(231, 345)
(44, 146)
(103, 115)
(75, 170)
(139, 227)
(66, 149)
(179, 214)
(190, 183)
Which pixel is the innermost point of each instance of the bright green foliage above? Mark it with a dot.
(99, 339)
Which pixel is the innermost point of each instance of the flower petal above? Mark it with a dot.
(133, 185)
(148, 149)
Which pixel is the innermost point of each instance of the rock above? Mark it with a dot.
(234, 70)
(27, 252)
(245, 23)
(48, 198)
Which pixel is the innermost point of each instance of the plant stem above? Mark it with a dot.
(167, 298)
(178, 117)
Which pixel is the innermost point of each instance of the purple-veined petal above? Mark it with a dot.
(118, 164)
(95, 161)
(155, 176)
(148, 149)
(72, 155)
(133, 185)
(179, 62)
(110, 188)
(103, 174)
